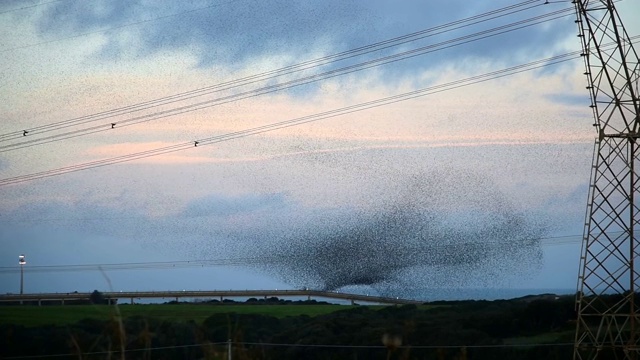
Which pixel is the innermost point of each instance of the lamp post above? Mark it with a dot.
(21, 262)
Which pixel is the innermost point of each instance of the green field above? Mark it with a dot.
(62, 315)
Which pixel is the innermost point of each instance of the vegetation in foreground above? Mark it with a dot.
(526, 328)
(508, 329)
(31, 316)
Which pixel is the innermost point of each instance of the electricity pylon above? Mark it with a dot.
(608, 324)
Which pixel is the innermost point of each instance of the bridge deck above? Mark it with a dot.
(210, 294)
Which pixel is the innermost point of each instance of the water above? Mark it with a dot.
(453, 294)
(482, 293)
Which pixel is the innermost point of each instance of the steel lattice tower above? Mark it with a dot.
(608, 327)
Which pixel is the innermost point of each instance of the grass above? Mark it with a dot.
(68, 314)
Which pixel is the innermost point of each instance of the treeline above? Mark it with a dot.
(95, 298)
(449, 330)
(253, 301)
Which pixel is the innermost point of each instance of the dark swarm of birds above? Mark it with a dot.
(438, 231)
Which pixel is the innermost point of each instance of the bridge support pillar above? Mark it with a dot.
(62, 301)
(39, 302)
(308, 297)
(177, 299)
(131, 301)
(221, 298)
(353, 302)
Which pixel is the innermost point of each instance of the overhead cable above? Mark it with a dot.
(304, 66)
(245, 261)
(297, 345)
(297, 121)
(29, 7)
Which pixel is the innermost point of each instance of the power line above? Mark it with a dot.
(359, 50)
(317, 346)
(236, 83)
(268, 89)
(244, 95)
(144, 265)
(297, 121)
(307, 65)
(29, 7)
(154, 348)
(337, 346)
(243, 261)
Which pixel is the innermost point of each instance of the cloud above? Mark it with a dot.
(236, 33)
(225, 33)
(527, 135)
(425, 216)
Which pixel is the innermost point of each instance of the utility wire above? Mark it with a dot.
(244, 261)
(30, 6)
(325, 346)
(307, 65)
(273, 88)
(339, 56)
(335, 346)
(297, 121)
(117, 351)
(183, 146)
(212, 89)
(349, 53)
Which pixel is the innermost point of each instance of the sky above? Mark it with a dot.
(478, 186)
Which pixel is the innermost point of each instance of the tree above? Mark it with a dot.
(97, 297)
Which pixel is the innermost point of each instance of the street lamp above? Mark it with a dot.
(21, 262)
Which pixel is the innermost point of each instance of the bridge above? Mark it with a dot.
(213, 294)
